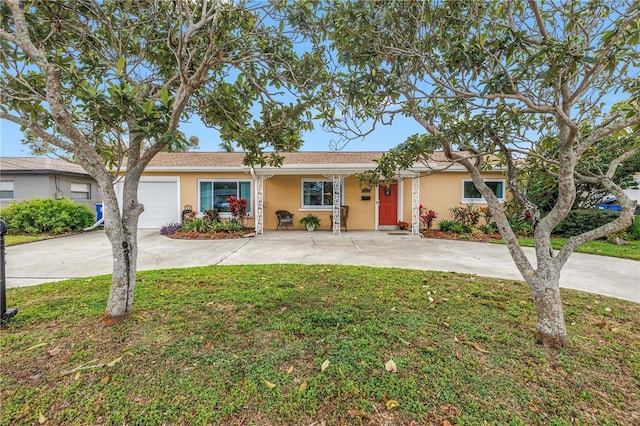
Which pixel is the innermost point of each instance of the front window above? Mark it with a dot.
(6, 189)
(80, 191)
(214, 194)
(317, 194)
(471, 195)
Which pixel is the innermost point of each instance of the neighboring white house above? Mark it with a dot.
(634, 194)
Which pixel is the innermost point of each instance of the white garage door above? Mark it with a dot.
(161, 202)
(634, 194)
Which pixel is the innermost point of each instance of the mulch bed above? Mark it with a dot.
(433, 233)
(181, 235)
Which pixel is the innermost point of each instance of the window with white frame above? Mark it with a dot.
(471, 195)
(6, 189)
(213, 194)
(317, 194)
(80, 191)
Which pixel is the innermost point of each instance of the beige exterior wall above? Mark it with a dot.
(438, 192)
(285, 193)
(443, 191)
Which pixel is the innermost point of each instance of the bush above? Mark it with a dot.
(634, 229)
(520, 225)
(580, 221)
(171, 228)
(197, 225)
(468, 215)
(489, 228)
(46, 216)
(453, 226)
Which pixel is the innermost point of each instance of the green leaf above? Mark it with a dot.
(164, 96)
(120, 66)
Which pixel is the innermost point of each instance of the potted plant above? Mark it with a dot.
(311, 221)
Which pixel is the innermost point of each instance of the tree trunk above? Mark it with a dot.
(122, 233)
(125, 253)
(551, 330)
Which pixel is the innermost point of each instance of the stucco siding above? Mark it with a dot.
(443, 191)
(26, 187)
(438, 192)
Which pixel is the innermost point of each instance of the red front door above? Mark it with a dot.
(388, 207)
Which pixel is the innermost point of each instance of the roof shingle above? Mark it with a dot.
(38, 165)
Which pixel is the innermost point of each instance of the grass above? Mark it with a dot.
(599, 247)
(247, 344)
(12, 240)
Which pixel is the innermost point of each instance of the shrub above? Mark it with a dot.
(468, 215)
(197, 225)
(427, 216)
(584, 220)
(211, 215)
(171, 228)
(238, 208)
(634, 229)
(489, 228)
(520, 225)
(453, 226)
(46, 216)
(233, 225)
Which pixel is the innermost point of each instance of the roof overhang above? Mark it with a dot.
(309, 169)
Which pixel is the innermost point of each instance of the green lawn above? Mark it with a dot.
(11, 240)
(290, 344)
(599, 247)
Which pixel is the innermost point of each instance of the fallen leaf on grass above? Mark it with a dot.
(359, 413)
(115, 361)
(269, 384)
(77, 376)
(208, 345)
(324, 365)
(392, 404)
(55, 351)
(42, 419)
(105, 379)
(39, 345)
(458, 355)
(391, 366)
(303, 386)
(478, 348)
(290, 370)
(446, 423)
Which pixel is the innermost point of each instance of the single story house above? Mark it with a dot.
(634, 193)
(24, 178)
(307, 182)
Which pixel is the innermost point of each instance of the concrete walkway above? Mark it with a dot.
(90, 254)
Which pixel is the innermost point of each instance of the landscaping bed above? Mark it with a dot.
(193, 235)
(446, 235)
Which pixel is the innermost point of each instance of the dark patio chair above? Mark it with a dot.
(284, 219)
(344, 215)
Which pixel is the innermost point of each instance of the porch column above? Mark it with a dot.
(259, 204)
(337, 200)
(337, 181)
(415, 205)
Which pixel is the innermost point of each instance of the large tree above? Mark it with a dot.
(108, 83)
(499, 81)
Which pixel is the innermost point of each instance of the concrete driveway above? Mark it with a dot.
(90, 254)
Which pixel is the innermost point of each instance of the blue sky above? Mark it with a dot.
(384, 138)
